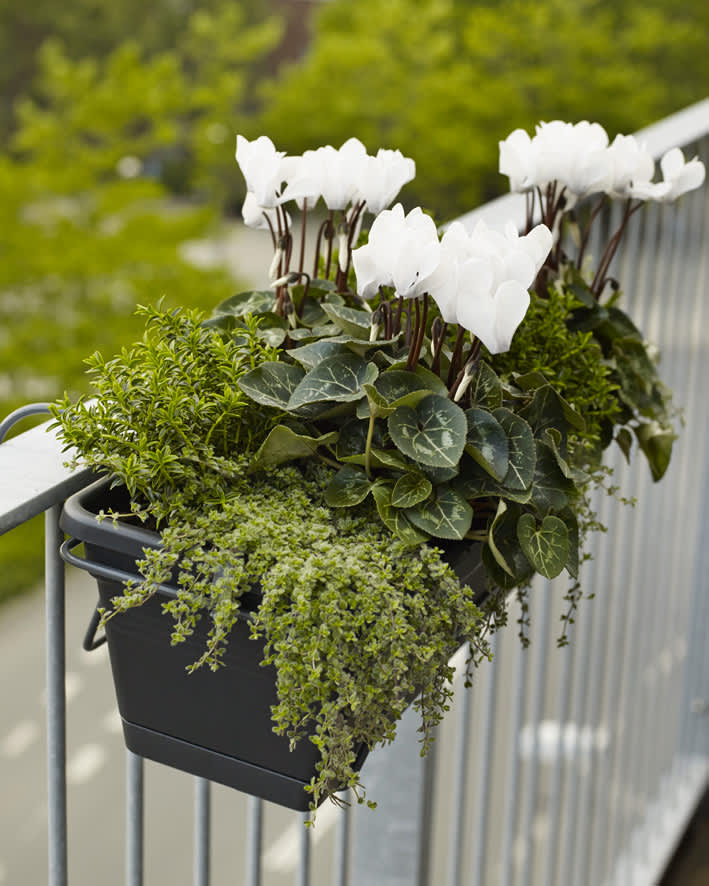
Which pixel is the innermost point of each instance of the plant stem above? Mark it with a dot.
(304, 218)
(368, 445)
(455, 356)
(420, 332)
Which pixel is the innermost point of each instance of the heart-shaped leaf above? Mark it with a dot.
(283, 444)
(433, 433)
(349, 320)
(339, 378)
(393, 518)
(522, 453)
(410, 489)
(551, 489)
(312, 354)
(656, 442)
(272, 383)
(448, 516)
(347, 488)
(252, 302)
(485, 388)
(546, 546)
(487, 442)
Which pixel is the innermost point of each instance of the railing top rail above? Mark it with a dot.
(33, 476)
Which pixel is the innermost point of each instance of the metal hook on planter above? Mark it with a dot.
(90, 642)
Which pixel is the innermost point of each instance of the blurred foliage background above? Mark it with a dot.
(118, 124)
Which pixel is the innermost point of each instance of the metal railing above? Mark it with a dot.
(579, 765)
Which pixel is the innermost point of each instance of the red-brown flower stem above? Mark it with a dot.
(455, 357)
(407, 333)
(529, 206)
(274, 239)
(385, 308)
(303, 222)
(415, 352)
(587, 232)
(397, 318)
(330, 236)
(599, 280)
(437, 348)
(318, 243)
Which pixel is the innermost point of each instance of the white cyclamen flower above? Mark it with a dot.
(382, 177)
(573, 154)
(263, 167)
(484, 277)
(255, 216)
(630, 163)
(402, 251)
(679, 176)
(331, 174)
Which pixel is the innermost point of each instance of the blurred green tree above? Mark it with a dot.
(444, 80)
(88, 225)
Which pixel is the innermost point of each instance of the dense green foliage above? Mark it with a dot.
(341, 596)
(443, 81)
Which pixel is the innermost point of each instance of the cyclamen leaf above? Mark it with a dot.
(522, 451)
(396, 383)
(347, 488)
(339, 378)
(410, 489)
(349, 320)
(394, 519)
(283, 444)
(252, 302)
(448, 516)
(272, 383)
(433, 433)
(312, 354)
(656, 442)
(551, 488)
(546, 547)
(486, 388)
(487, 442)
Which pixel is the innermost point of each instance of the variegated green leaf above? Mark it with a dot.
(394, 518)
(252, 302)
(410, 490)
(312, 354)
(448, 515)
(349, 320)
(339, 378)
(347, 488)
(522, 453)
(487, 442)
(551, 489)
(283, 444)
(272, 383)
(433, 433)
(485, 388)
(546, 546)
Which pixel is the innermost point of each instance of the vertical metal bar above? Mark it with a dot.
(544, 642)
(254, 839)
(134, 819)
(341, 871)
(202, 816)
(56, 699)
(512, 787)
(303, 878)
(460, 788)
(425, 830)
(480, 843)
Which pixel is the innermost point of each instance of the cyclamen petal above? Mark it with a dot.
(511, 303)
(262, 167)
(382, 177)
